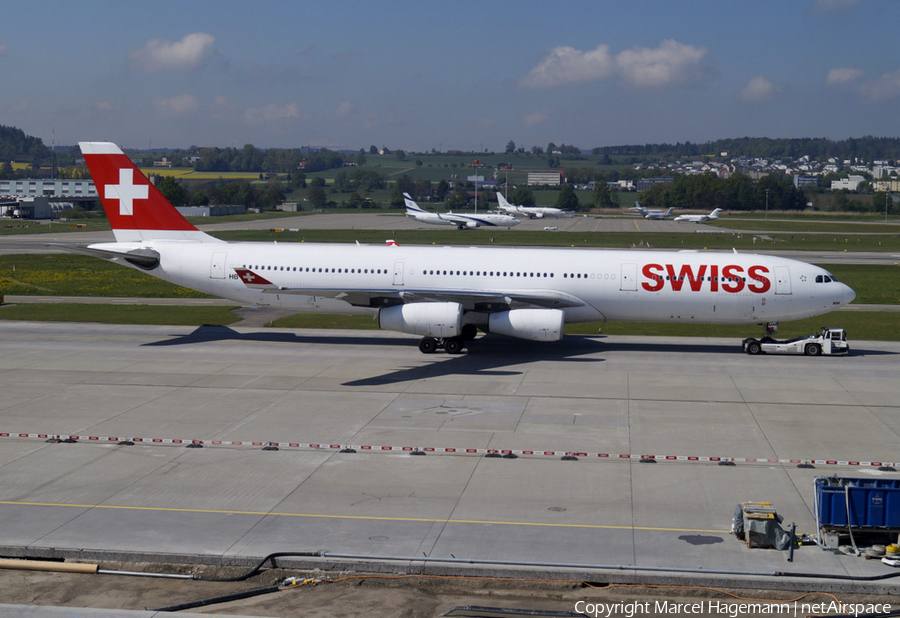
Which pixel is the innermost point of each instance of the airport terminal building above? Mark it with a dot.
(41, 198)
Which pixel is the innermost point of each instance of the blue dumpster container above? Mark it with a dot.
(874, 504)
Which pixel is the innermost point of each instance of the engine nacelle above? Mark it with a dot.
(531, 324)
(426, 319)
(472, 224)
(538, 215)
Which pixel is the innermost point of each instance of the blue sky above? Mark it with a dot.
(466, 75)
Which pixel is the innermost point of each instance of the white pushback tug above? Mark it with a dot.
(830, 341)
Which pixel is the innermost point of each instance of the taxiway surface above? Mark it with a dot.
(611, 517)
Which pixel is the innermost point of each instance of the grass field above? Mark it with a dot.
(119, 314)
(76, 275)
(725, 241)
(84, 276)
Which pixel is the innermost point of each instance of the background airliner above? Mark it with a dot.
(652, 213)
(699, 218)
(532, 212)
(460, 221)
(444, 293)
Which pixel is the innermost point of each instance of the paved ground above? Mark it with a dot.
(609, 395)
(598, 518)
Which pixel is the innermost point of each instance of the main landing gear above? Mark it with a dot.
(450, 345)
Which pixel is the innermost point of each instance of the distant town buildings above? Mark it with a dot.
(851, 183)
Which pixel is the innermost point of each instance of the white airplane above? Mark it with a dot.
(460, 221)
(652, 213)
(532, 212)
(699, 218)
(658, 214)
(443, 293)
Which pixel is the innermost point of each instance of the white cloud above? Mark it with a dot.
(869, 90)
(179, 105)
(841, 77)
(105, 106)
(885, 87)
(272, 113)
(529, 120)
(3, 49)
(344, 109)
(160, 54)
(567, 65)
(670, 63)
(759, 89)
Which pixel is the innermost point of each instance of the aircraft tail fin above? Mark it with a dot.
(411, 205)
(135, 208)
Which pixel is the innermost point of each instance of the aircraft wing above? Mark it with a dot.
(487, 301)
(472, 301)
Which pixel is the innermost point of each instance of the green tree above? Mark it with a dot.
(355, 201)
(522, 196)
(510, 147)
(443, 187)
(458, 199)
(318, 197)
(172, 190)
(600, 196)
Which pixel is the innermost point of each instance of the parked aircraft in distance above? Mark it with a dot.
(532, 212)
(658, 214)
(652, 213)
(460, 221)
(699, 218)
(443, 294)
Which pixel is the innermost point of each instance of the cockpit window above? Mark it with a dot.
(825, 278)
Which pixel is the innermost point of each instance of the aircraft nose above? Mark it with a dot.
(848, 294)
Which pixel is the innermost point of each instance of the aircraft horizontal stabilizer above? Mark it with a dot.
(148, 259)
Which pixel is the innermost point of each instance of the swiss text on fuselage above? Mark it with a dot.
(706, 277)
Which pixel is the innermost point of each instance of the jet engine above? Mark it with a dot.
(441, 320)
(538, 215)
(472, 224)
(531, 324)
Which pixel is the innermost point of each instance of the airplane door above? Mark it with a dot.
(628, 282)
(782, 280)
(398, 273)
(217, 265)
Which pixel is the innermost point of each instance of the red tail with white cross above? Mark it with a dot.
(135, 208)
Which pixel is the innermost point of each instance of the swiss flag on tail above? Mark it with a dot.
(130, 201)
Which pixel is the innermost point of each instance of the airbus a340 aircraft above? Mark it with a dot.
(699, 218)
(460, 221)
(532, 212)
(443, 293)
